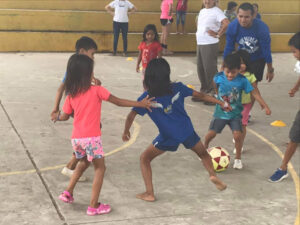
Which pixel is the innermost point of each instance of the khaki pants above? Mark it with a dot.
(207, 59)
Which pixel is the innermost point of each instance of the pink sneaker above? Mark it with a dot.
(102, 209)
(66, 197)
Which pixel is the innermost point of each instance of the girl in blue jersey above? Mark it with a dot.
(175, 126)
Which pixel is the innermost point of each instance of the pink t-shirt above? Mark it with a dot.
(87, 111)
(180, 6)
(149, 52)
(165, 4)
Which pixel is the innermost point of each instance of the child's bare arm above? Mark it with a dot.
(132, 10)
(129, 120)
(58, 97)
(208, 98)
(145, 103)
(139, 61)
(255, 93)
(170, 9)
(159, 54)
(295, 88)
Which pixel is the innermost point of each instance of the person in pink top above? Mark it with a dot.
(181, 9)
(84, 101)
(149, 48)
(166, 21)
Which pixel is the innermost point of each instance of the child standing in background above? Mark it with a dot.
(230, 13)
(166, 20)
(174, 125)
(181, 9)
(149, 48)
(230, 84)
(84, 101)
(246, 98)
(85, 46)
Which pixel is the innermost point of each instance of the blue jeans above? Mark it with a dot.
(180, 17)
(117, 27)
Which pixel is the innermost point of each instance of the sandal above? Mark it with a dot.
(66, 197)
(102, 209)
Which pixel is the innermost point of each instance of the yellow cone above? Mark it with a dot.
(129, 59)
(191, 86)
(278, 123)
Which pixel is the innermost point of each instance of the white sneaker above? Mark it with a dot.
(238, 164)
(67, 172)
(234, 150)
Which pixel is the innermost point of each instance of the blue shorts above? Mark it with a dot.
(164, 144)
(218, 125)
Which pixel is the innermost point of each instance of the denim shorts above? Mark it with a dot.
(90, 147)
(180, 17)
(218, 125)
(295, 129)
(167, 144)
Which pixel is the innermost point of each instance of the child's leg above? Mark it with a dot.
(237, 136)
(209, 136)
(72, 163)
(290, 150)
(183, 16)
(200, 150)
(99, 167)
(177, 22)
(82, 165)
(145, 160)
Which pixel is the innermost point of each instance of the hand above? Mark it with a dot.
(292, 92)
(96, 82)
(112, 13)
(54, 115)
(212, 33)
(268, 111)
(270, 76)
(137, 68)
(147, 103)
(226, 107)
(126, 136)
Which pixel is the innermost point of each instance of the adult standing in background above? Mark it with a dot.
(166, 21)
(253, 35)
(212, 24)
(120, 9)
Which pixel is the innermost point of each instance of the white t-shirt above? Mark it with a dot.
(297, 67)
(209, 19)
(121, 10)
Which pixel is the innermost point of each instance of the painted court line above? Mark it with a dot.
(135, 134)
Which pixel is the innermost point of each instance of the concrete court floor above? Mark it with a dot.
(33, 151)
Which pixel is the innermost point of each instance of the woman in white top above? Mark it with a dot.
(120, 9)
(212, 24)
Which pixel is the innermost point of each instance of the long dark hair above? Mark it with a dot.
(79, 74)
(150, 27)
(245, 56)
(157, 78)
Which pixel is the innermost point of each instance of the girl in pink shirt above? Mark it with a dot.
(84, 100)
(149, 48)
(166, 21)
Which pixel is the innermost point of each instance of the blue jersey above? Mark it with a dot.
(231, 92)
(255, 40)
(169, 114)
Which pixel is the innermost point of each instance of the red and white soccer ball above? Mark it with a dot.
(220, 158)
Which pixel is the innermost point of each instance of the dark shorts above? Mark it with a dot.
(295, 130)
(164, 144)
(164, 22)
(218, 125)
(258, 68)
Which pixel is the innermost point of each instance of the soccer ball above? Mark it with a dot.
(220, 158)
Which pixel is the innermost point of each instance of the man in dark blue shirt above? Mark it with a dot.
(252, 35)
